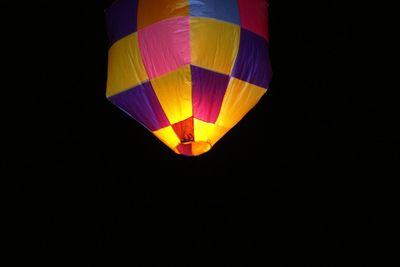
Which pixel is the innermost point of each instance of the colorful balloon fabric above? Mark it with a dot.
(188, 70)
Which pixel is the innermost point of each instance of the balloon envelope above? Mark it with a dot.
(188, 70)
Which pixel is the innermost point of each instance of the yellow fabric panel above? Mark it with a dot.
(239, 99)
(168, 137)
(125, 66)
(208, 132)
(214, 44)
(202, 130)
(150, 12)
(174, 91)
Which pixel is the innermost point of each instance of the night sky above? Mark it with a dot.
(304, 178)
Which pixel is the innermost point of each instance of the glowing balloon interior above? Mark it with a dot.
(188, 70)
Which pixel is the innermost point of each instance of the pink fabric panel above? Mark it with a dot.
(254, 16)
(165, 46)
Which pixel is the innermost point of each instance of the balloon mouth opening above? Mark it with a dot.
(193, 148)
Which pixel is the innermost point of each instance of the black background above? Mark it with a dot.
(306, 177)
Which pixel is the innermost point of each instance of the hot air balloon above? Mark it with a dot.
(187, 70)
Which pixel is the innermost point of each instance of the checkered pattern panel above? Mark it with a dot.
(188, 70)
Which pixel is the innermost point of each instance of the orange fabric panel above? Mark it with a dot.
(199, 148)
(150, 12)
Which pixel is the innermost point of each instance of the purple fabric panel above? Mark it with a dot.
(121, 19)
(208, 91)
(253, 63)
(142, 104)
